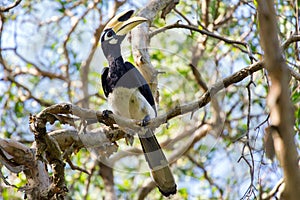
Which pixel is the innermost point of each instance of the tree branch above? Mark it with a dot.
(141, 42)
(56, 112)
(10, 6)
(277, 189)
(18, 157)
(195, 28)
(206, 174)
(281, 107)
(106, 172)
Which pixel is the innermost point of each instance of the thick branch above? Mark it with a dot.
(106, 172)
(15, 156)
(141, 42)
(281, 107)
(56, 112)
(18, 157)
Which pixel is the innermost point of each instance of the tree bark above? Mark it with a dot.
(141, 41)
(107, 175)
(279, 102)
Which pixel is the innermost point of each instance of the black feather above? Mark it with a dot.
(105, 86)
(141, 84)
(120, 74)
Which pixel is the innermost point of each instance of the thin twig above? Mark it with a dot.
(5, 181)
(206, 176)
(202, 31)
(10, 6)
(74, 167)
(250, 191)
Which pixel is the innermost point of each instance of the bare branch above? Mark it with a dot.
(29, 93)
(49, 113)
(106, 172)
(48, 146)
(183, 16)
(36, 71)
(195, 28)
(281, 107)
(166, 10)
(74, 167)
(18, 157)
(10, 6)
(147, 187)
(292, 39)
(141, 42)
(5, 181)
(15, 156)
(276, 189)
(206, 175)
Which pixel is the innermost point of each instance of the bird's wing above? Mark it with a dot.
(104, 81)
(137, 80)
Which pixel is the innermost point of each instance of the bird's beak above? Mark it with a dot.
(122, 23)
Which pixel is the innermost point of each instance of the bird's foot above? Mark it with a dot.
(145, 121)
(106, 113)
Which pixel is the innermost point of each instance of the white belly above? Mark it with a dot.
(130, 103)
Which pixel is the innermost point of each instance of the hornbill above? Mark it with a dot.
(130, 96)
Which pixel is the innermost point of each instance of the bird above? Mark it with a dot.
(129, 95)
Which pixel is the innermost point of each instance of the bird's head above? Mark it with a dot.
(115, 32)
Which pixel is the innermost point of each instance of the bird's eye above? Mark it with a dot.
(110, 33)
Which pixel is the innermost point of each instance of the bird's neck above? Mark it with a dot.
(115, 61)
(113, 54)
(112, 60)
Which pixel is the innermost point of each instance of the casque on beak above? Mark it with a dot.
(122, 23)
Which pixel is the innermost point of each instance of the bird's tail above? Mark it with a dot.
(158, 163)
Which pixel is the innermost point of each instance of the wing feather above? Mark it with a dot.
(104, 81)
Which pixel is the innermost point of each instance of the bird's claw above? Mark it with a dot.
(106, 113)
(145, 121)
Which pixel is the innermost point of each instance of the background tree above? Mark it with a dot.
(226, 105)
